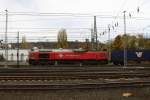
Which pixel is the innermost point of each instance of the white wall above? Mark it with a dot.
(12, 54)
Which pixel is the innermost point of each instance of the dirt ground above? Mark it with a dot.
(92, 94)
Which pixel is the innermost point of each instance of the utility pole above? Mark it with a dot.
(125, 40)
(18, 49)
(109, 55)
(92, 39)
(6, 40)
(95, 33)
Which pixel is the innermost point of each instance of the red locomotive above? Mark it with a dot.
(67, 56)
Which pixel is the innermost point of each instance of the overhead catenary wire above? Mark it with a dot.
(39, 30)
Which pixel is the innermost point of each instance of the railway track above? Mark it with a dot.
(67, 69)
(70, 78)
(14, 65)
(78, 85)
(88, 73)
(71, 75)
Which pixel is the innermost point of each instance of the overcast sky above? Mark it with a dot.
(78, 18)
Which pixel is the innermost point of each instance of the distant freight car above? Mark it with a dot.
(133, 56)
(67, 56)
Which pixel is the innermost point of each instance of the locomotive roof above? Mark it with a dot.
(61, 50)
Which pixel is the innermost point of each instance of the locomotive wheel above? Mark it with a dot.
(103, 62)
(121, 63)
(115, 63)
(80, 63)
(32, 62)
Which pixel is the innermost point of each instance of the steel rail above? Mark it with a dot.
(97, 85)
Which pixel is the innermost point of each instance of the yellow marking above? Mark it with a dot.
(127, 94)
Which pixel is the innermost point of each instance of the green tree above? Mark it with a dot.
(147, 43)
(62, 39)
(24, 44)
(118, 43)
(141, 42)
(132, 40)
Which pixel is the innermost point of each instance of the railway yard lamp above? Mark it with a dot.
(6, 40)
(18, 49)
(109, 55)
(125, 40)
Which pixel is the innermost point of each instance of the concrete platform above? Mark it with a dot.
(13, 63)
